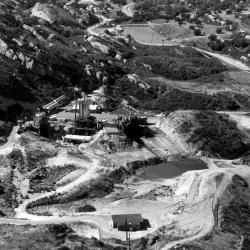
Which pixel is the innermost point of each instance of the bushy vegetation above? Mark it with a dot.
(120, 2)
(86, 208)
(49, 237)
(37, 151)
(8, 195)
(212, 133)
(237, 45)
(182, 68)
(169, 9)
(17, 159)
(171, 63)
(45, 178)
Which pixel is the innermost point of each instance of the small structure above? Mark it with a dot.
(54, 104)
(41, 123)
(85, 124)
(76, 138)
(129, 222)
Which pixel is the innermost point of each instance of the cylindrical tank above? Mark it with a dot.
(83, 108)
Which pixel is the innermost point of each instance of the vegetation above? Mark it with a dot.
(182, 68)
(85, 208)
(49, 237)
(120, 2)
(45, 178)
(209, 132)
(168, 9)
(236, 46)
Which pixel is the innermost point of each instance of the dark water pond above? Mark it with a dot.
(171, 169)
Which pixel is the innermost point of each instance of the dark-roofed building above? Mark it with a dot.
(129, 222)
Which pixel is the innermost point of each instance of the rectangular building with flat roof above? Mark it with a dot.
(129, 222)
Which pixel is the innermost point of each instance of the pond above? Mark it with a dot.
(171, 169)
(144, 34)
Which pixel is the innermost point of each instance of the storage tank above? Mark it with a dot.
(84, 111)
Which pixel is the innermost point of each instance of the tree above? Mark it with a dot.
(219, 30)
(191, 27)
(212, 37)
(197, 32)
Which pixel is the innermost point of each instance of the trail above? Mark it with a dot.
(9, 145)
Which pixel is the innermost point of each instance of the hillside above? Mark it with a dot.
(44, 50)
(159, 79)
(49, 48)
(205, 132)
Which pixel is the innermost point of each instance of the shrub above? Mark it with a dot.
(191, 27)
(86, 208)
(212, 37)
(197, 32)
(219, 30)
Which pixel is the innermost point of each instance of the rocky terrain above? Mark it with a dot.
(45, 49)
(186, 170)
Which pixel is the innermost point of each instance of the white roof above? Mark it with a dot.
(93, 106)
(78, 137)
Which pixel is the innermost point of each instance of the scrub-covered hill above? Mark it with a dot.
(205, 132)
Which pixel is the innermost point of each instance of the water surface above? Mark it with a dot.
(172, 169)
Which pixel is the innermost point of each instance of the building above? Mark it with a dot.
(129, 222)
(54, 104)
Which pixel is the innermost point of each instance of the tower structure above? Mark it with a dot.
(85, 124)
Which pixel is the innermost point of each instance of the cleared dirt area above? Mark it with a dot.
(172, 30)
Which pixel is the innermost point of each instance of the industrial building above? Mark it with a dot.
(129, 222)
(85, 125)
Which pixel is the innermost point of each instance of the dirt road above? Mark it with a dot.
(8, 146)
(226, 59)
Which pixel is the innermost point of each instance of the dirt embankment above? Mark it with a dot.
(205, 133)
(231, 230)
(111, 174)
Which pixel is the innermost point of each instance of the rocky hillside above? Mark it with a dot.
(205, 132)
(44, 49)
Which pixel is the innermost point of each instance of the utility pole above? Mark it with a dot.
(126, 226)
(100, 237)
(129, 244)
